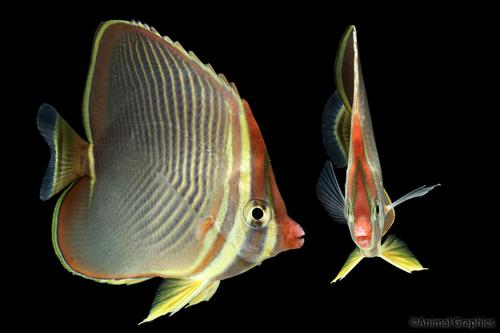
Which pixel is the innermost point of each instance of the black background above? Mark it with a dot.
(419, 65)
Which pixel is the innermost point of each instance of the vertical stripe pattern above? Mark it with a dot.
(177, 155)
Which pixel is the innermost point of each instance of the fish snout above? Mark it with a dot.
(293, 235)
(362, 233)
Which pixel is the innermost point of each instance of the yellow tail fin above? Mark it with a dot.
(397, 253)
(69, 153)
(353, 259)
(173, 295)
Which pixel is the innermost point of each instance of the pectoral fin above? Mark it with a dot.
(418, 192)
(353, 259)
(173, 295)
(329, 193)
(395, 252)
(389, 209)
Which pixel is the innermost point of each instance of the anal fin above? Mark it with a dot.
(173, 295)
(206, 294)
(336, 128)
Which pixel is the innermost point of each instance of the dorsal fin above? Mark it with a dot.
(206, 67)
(344, 68)
(336, 128)
(336, 120)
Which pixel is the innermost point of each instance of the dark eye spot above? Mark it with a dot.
(377, 209)
(257, 213)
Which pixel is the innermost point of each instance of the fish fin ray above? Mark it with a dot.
(173, 295)
(69, 152)
(336, 128)
(418, 192)
(206, 294)
(329, 193)
(397, 253)
(354, 258)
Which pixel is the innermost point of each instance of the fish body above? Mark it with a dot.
(174, 179)
(350, 142)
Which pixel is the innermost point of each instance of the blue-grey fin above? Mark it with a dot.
(68, 151)
(330, 195)
(336, 128)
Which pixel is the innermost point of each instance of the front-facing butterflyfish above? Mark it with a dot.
(174, 180)
(349, 140)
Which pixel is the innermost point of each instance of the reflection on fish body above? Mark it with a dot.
(349, 141)
(174, 181)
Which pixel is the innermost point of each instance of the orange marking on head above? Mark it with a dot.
(363, 231)
(259, 155)
(290, 232)
(292, 235)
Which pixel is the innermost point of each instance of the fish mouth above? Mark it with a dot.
(291, 235)
(362, 233)
(363, 241)
(299, 235)
(299, 242)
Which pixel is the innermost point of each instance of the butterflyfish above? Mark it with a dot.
(349, 141)
(173, 179)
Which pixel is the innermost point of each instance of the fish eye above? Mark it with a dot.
(257, 214)
(375, 209)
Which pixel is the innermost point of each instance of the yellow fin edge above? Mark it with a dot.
(397, 253)
(173, 295)
(354, 258)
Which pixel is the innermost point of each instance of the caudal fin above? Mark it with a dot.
(397, 253)
(69, 152)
